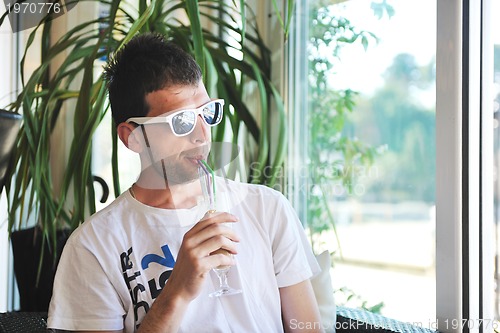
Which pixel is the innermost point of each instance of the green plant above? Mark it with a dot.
(351, 299)
(234, 59)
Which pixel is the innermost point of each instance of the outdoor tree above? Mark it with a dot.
(333, 156)
(403, 121)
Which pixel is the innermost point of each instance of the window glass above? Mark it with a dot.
(371, 149)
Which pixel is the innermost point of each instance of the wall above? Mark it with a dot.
(6, 88)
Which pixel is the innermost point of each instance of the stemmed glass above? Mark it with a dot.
(207, 179)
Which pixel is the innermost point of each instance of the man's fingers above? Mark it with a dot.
(209, 240)
(219, 259)
(211, 226)
(216, 243)
(217, 217)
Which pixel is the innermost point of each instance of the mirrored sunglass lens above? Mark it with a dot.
(213, 113)
(183, 122)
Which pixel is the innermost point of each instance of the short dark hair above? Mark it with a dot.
(146, 64)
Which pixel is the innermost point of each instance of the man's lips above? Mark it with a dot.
(195, 159)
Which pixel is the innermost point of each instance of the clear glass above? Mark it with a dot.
(222, 205)
(371, 148)
(213, 202)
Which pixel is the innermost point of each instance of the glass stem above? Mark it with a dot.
(222, 275)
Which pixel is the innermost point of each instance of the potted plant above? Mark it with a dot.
(233, 56)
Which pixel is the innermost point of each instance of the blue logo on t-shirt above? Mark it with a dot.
(167, 260)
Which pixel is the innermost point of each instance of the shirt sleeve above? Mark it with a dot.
(293, 258)
(83, 297)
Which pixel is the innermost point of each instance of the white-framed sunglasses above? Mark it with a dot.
(182, 122)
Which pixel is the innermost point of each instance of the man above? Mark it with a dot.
(144, 263)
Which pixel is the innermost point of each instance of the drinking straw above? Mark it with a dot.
(207, 179)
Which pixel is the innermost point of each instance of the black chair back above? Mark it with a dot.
(10, 123)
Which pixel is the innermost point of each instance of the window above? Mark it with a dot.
(371, 118)
(402, 154)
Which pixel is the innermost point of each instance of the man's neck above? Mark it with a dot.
(179, 196)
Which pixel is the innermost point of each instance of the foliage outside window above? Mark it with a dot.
(356, 140)
(333, 155)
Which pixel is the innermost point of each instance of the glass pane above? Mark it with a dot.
(372, 152)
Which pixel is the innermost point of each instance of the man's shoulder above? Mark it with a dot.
(102, 218)
(117, 206)
(251, 192)
(235, 185)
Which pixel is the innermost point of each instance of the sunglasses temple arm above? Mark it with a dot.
(150, 153)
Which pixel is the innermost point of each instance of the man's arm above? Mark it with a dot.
(299, 308)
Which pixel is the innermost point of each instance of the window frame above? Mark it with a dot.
(464, 187)
(296, 87)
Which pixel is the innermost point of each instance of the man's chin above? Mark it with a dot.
(182, 180)
(161, 173)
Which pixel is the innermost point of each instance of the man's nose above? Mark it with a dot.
(201, 132)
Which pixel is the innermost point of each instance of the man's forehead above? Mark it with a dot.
(176, 98)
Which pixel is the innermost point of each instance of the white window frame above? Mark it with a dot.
(464, 173)
(295, 95)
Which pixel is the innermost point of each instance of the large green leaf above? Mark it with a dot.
(193, 13)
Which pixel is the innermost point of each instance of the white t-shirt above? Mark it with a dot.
(115, 264)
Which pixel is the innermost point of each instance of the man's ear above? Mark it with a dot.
(131, 136)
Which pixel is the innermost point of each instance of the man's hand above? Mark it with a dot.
(194, 260)
(193, 263)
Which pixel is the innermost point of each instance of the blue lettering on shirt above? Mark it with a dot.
(167, 260)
